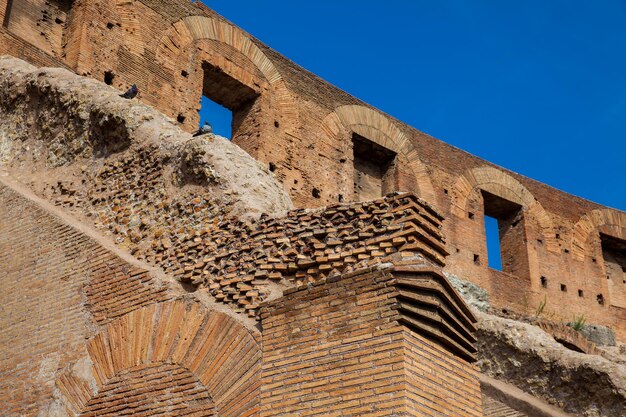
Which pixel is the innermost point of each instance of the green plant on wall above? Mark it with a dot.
(578, 322)
(541, 307)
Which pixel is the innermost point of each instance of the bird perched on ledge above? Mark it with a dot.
(131, 92)
(205, 129)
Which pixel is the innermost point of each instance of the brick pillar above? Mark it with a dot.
(386, 341)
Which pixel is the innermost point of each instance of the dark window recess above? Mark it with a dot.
(614, 255)
(374, 169)
(470, 215)
(110, 25)
(272, 167)
(600, 299)
(544, 282)
(316, 193)
(340, 198)
(476, 259)
(227, 103)
(109, 76)
(7, 14)
(180, 118)
(563, 287)
(510, 244)
(580, 293)
(184, 73)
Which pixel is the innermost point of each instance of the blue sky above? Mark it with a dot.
(538, 86)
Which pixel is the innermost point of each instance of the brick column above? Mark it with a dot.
(389, 340)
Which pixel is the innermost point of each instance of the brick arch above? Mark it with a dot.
(381, 130)
(499, 183)
(221, 354)
(611, 222)
(193, 28)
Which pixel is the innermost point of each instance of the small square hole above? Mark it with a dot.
(470, 215)
(476, 259)
(600, 299)
(544, 282)
(580, 293)
(563, 287)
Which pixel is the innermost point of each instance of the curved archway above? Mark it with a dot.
(211, 349)
(608, 221)
(382, 131)
(193, 28)
(505, 186)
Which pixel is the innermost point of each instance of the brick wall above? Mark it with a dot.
(349, 346)
(83, 330)
(304, 127)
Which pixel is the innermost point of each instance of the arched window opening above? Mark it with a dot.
(505, 235)
(614, 254)
(374, 169)
(225, 100)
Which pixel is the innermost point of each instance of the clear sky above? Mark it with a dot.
(536, 86)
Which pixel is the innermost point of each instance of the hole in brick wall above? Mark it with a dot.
(614, 255)
(540, 241)
(7, 13)
(600, 299)
(58, 21)
(476, 259)
(558, 236)
(315, 193)
(226, 102)
(184, 73)
(506, 243)
(295, 181)
(110, 25)
(180, 118)
(276, 124)
(563, 287)
(343, 160)
(566, 250)
(272, 166)
(580, 293)
(445, 191)
(340, 198)
(470, 215)
(108, 77)
(544, 282)
(594, 260)
(373, 169)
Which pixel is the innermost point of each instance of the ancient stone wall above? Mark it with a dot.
(310, 134)
(86, 332)
(355, 345)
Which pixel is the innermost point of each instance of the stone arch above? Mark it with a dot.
(609, 221)
(220, 353)
(499, 183)
(193, 28)
(380, 129)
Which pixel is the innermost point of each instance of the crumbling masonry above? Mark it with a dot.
(301, 272)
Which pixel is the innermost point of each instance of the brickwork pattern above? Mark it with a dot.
(303, 126)
(194, 237)
(56, 263)
(152, 390)
(337, 348)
